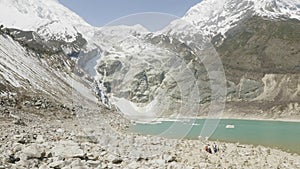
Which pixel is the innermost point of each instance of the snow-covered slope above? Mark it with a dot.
(48, 18)
(30, 73)
(211, 17)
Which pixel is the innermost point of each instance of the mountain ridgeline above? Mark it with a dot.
(262, 46)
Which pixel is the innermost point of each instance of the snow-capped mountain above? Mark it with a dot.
(250, 30)
(48, 18)
(211, 17)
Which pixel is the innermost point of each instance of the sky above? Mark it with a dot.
(102, 12)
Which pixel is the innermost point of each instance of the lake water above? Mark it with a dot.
(276, 134)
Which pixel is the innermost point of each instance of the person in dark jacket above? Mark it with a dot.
(215, 147)
(208, 149)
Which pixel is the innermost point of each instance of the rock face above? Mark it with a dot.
(262, 46)
(261, 60)
(147, 68)
(35, 42)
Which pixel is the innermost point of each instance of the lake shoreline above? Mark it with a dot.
(162, 119)
(269, 133)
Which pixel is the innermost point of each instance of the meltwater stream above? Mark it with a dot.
(276, 134)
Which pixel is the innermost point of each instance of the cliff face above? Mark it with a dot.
(261, 59)
(262, 46)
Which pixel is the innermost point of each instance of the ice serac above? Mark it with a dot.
(48, 18)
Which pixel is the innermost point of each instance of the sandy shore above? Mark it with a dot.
(96, 139)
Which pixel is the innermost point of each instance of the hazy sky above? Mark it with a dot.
(101, 12)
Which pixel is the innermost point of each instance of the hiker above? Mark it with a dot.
(1, 27)
(215, 148)
(106, 101)
(208, 149)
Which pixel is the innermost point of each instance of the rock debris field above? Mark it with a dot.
(83, 137)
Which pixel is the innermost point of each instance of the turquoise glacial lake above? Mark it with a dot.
(274, 134)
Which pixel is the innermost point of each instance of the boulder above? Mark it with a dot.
(117, 161)
(57, 164)
(67, 149)
(33, 151)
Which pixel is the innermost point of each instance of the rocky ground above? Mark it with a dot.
(80, 137)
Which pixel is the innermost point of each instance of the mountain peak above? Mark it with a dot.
(47, 17)
(211, 17)
(267, 8)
